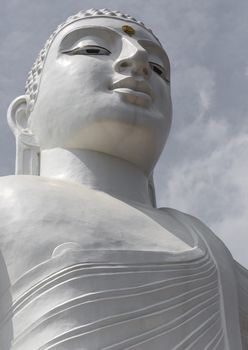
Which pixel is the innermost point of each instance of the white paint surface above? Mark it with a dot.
(91, 263)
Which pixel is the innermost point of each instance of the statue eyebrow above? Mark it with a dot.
(148, 45)
(79, 30)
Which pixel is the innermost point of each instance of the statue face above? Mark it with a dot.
(105, 89)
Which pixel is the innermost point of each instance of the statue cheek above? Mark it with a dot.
(163, 97)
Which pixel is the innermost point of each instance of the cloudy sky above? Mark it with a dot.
(203, 170)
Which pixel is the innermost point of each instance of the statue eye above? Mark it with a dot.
(88, 50)
(159, 70)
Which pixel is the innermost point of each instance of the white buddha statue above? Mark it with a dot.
(87, 261)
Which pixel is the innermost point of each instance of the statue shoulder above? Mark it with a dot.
(187, 220)
(193, 224)
(183, 218)
(13, 190)
(19, 184)
(18, 181)
(20, 191)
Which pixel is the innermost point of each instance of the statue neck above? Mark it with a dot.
(98, 171)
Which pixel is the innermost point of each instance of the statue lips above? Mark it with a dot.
(138, 91)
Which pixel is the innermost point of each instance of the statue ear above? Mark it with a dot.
(18, 120)
(27, 148)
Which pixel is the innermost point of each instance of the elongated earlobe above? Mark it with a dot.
(27, 149)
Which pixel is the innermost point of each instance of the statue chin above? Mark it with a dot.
(141, 147)
(87, 261)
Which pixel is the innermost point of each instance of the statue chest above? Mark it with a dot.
(87, 269)
(100, 299)
(33, 229)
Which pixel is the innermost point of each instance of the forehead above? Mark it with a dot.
(114, 24)
(107, 30)
(89, 26)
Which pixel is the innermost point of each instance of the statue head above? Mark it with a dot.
(100, 83)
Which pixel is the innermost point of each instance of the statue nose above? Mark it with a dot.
(134, 61)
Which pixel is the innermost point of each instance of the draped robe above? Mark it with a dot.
(70, 295)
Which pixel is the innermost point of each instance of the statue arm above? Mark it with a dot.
(6, 328)
(242, 283)
(233, 279)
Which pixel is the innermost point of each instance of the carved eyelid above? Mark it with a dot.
(77, 48)
(157, 66)
(90, 34)
(154, 50)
